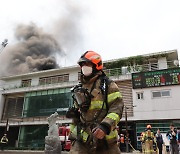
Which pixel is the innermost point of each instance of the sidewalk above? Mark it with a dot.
(135, 152)
(25, 152)
(41, 152)
(34, 152)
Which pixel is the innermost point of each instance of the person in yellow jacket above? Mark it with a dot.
(97, 109)
(4, 141)
(142, 142)
(148, 139)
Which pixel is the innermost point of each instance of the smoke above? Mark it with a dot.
(37, 50)
(68, 29)
(34, 51)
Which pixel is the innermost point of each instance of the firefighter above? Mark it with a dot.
(97, 109)
(4, 141)
(122, 142)
(142, 142)
(148, 139)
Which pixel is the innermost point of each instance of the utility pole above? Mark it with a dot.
(127, 134)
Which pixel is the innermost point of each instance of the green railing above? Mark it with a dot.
(113, 72)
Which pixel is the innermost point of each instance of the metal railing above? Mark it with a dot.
(139, 68)
(45, 86)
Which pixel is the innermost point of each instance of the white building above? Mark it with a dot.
(28, 99)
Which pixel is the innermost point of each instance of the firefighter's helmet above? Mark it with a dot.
(93, 57)
(148, 127)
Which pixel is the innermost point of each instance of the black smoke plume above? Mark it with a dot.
(34, 51)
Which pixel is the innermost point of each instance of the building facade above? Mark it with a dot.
(26, 100)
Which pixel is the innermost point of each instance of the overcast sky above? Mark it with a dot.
(113, 28)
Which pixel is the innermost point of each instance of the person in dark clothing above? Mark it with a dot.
(172, 136)
(159, 140)
(178, 132)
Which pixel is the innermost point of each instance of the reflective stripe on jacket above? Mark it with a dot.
(98, 104)
(148, 135)
(84, 135)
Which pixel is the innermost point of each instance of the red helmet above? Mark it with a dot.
(93, 57)
(148, 126)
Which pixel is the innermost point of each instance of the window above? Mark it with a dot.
(48, 80)
(66, 77)
(54, 79)
(26, 83)
(13, 107)
(165, 93)
(161, 93)
(42, 81)
(60, 78)
(47, 102)
(140, 95)
(156, 94)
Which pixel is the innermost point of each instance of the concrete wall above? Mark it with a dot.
(157, 108)
(12, 83)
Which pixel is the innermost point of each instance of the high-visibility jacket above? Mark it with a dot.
(148, 139)
(110, 118)
(4, 139)
(148, 135)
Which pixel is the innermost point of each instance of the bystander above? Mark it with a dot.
(159, 141)
(4, 141)
(172, 136)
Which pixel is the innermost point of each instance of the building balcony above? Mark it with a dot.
(17, 87)
(125, 70)
(123, 73)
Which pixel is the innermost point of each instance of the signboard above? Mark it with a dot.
(156, 78)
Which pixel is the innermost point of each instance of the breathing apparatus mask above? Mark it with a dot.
(81, 97)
